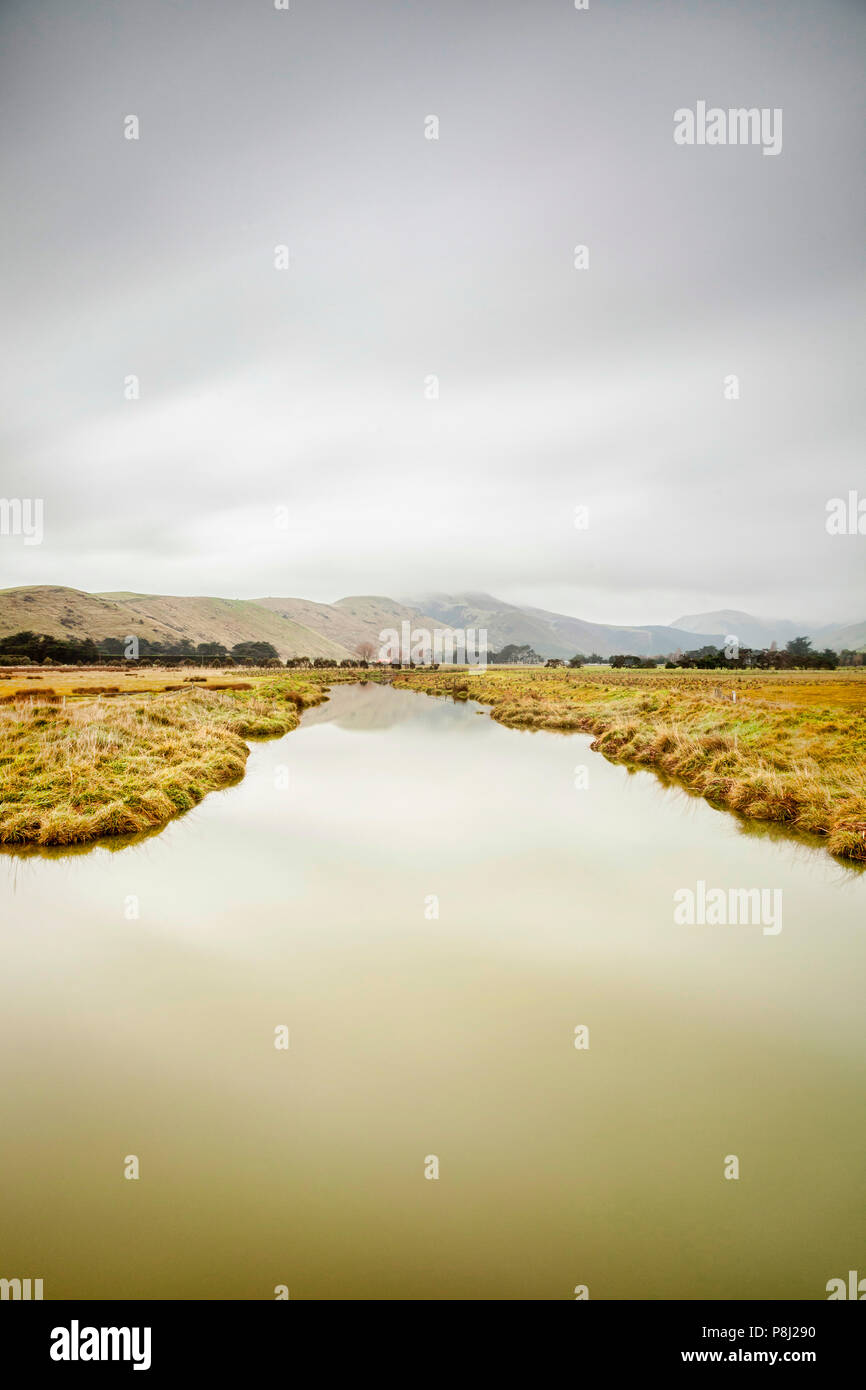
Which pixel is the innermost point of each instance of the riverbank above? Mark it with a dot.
(789, 749)
(77, 765)
(75, 770)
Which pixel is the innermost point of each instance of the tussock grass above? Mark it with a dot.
(84, 770)
(45, 694)
(791, 749)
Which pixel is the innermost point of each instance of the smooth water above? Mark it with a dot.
(303, 897)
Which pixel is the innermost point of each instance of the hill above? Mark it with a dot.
(852, 637)
(555, 634)
(751, 631)
(63, 612)
(350, 621)
(760, 632)
(302, 627)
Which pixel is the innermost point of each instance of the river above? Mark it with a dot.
(431, 905)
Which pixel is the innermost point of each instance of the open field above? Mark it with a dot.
(790, 748)
(77, 682)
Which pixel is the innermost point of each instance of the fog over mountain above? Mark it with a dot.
(751, 631)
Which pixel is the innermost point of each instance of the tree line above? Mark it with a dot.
(84, 651)
(41, 648)
(797, 655)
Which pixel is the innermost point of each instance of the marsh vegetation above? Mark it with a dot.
(126, 753)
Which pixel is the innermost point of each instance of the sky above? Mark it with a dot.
(288, 438)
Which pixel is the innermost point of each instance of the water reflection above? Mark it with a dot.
(302, 897)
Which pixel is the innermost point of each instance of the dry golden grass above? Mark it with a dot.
(790, 749)
(74, 681)
(78, 766)
(93, 767)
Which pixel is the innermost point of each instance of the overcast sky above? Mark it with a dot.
(304, 389)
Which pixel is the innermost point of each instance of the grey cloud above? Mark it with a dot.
(454, 257)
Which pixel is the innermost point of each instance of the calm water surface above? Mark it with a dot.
(301, 897)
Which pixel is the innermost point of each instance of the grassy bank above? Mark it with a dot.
(791, 748)
(73, 770)
(77, 765)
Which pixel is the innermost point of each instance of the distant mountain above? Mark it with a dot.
(555, 634)
(301, 627)
(608, 639)
(749, 630)
(760, 632)
(504, 622)
(376, 614)
(349, 621)
(852, 637)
